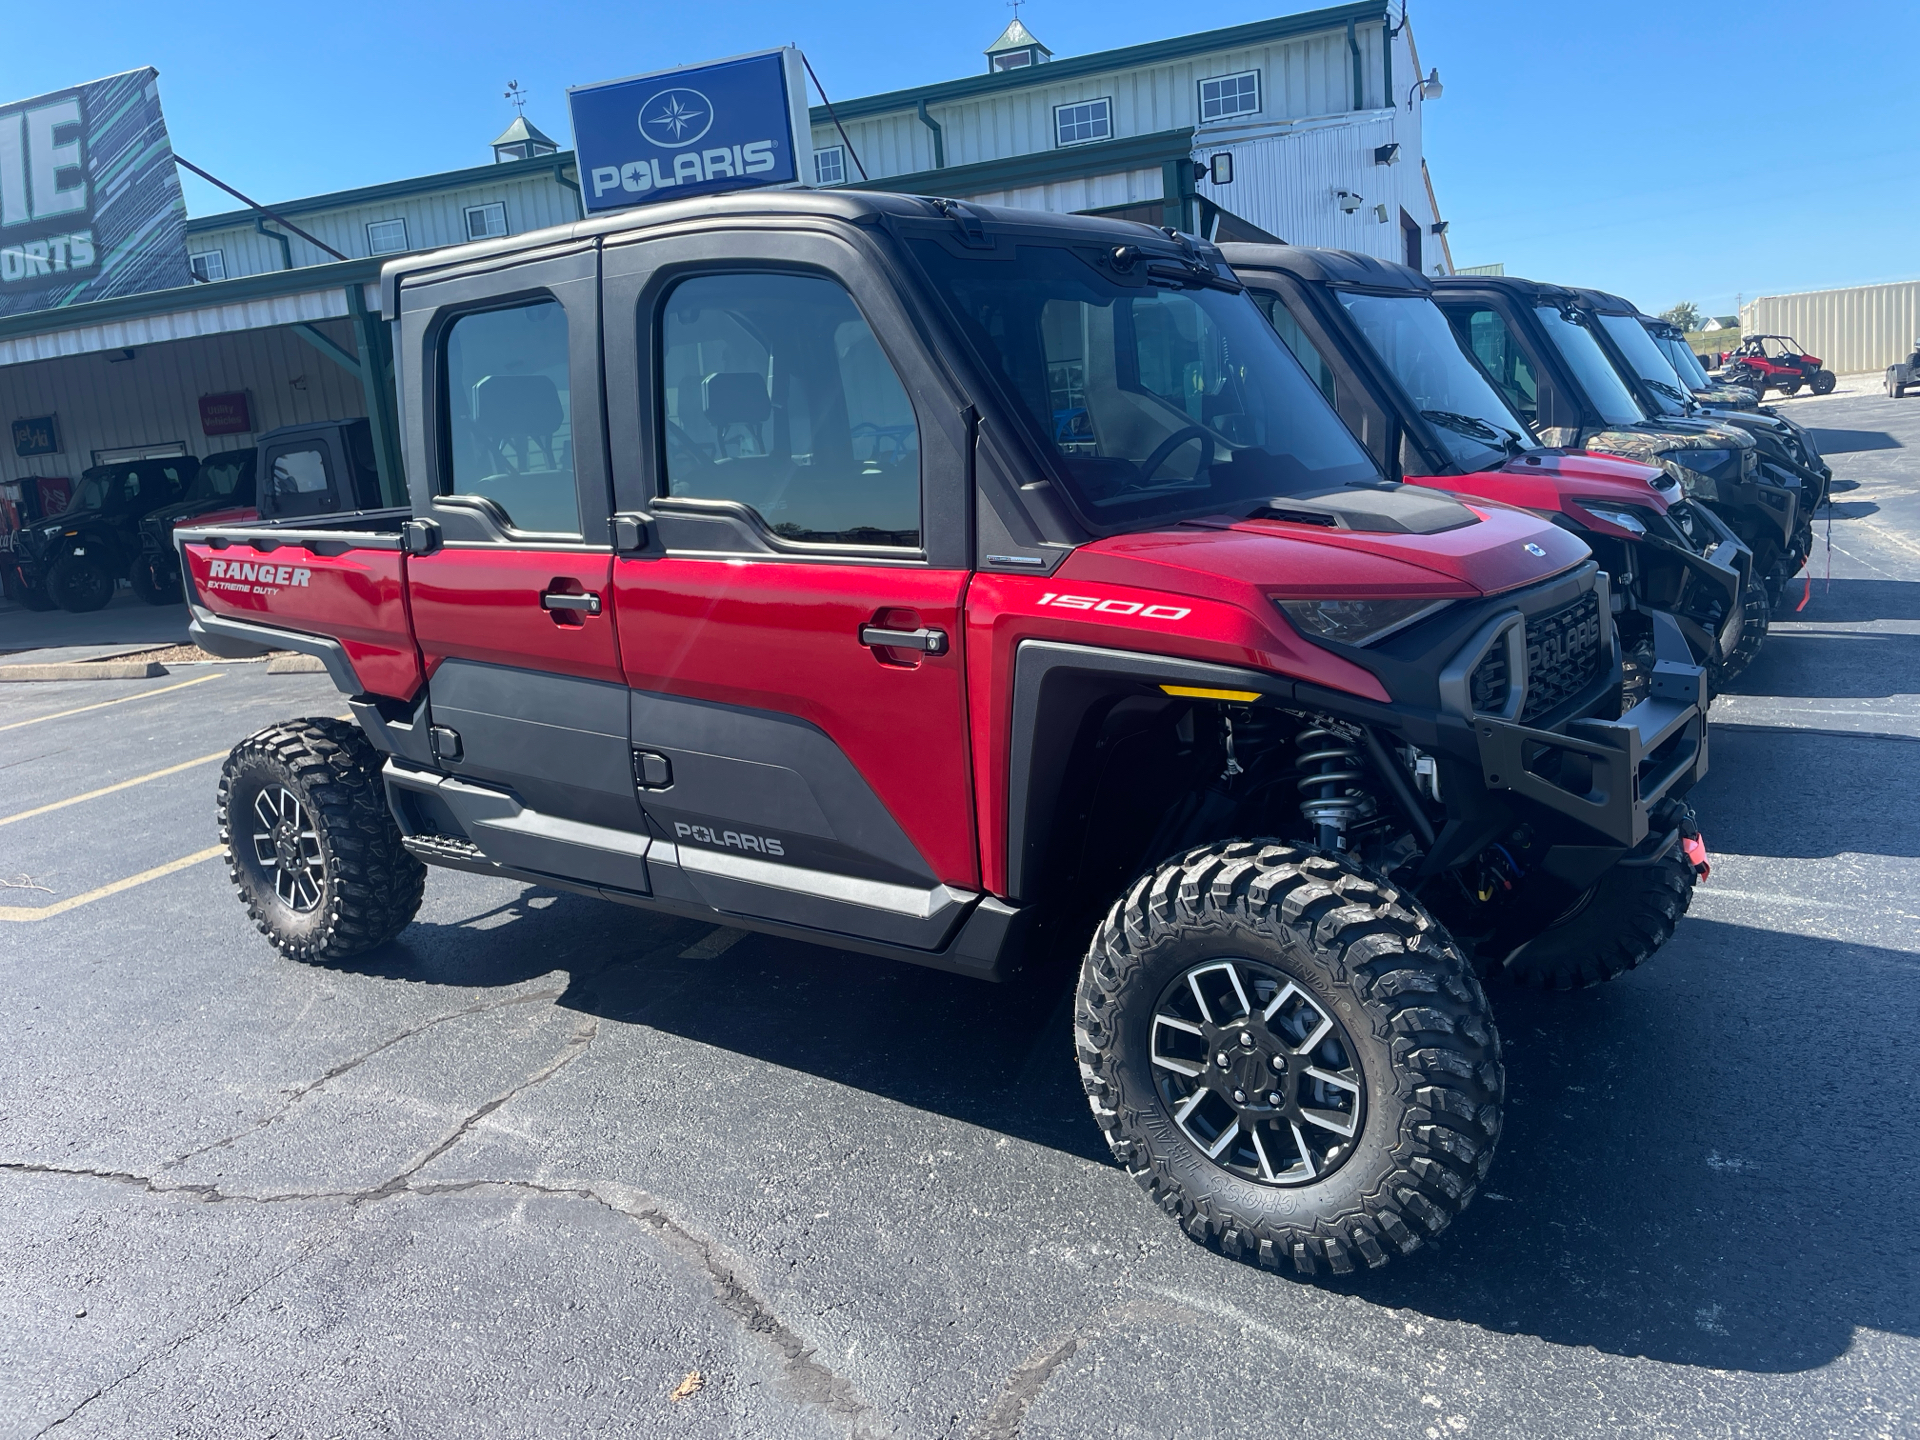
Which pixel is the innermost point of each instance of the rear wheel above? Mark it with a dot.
(1289, 1056)
(1618, 923)
(311, 845)
(32, 597)
(79, 583)
(155, 583)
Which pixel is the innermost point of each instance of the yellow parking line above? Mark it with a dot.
(60, 907)
(143, 695)
(109, 789)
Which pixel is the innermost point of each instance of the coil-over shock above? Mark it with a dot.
(1330, 772)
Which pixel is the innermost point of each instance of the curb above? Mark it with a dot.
(85, 670)
(296, 665)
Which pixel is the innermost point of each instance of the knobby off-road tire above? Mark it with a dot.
(1758, 608)
(1822, 382)
(1331, 943)
(80, 583)
(1630, 913)
(150, 587)
(311, 845)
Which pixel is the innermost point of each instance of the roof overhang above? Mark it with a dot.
(154, 317)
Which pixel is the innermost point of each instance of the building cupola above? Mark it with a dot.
(522, 140)
(1015, 49)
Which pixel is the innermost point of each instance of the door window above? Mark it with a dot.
(1303, 349)
(507, 402)
(1495, 347)
(776, 394)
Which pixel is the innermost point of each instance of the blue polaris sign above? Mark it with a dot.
(695, 131)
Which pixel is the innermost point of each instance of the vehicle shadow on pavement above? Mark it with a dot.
(1696, 1204)
(1862, 665)
(1849, 792)
(1836, 601)
(998, 1056)
(1851, 442)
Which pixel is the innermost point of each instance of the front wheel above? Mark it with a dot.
(1757, 617)
(1289, 1056)
(311, 845)
(1821, 382)
(80, 583)
(155, 583)
(1618, 923)
(33, 597)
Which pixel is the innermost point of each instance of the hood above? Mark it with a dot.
(1545, 480)
(1224, 558)
(168, 516)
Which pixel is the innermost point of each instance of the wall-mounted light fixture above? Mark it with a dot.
(1380, 213)
(1386, 154)
(1348, 201)
(1429, 88)
(1220, 168)
(1439, 227)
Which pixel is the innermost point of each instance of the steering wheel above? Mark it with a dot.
(1165, 449)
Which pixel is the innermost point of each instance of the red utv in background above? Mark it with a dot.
(1776, 362)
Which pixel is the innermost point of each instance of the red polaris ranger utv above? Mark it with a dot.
(922, 579)
(1368, 332)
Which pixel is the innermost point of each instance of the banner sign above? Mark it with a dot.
(90, 204)
(36, 436)
(732, 125)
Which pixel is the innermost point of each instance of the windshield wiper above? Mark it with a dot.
(1665, 389)
(1468, 425)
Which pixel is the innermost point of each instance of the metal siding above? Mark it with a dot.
(180, 325)
(1284, 184)
(533, 202)
(1093, 192)
(152, 399)
(1867, 327)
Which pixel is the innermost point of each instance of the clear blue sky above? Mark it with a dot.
(1667, 149)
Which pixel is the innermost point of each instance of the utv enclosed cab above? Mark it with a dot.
(925, 580)
(1672, 341)
(78, 557)
(1369, 333)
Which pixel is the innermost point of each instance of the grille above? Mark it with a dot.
(1489, 683)
(1563, 654)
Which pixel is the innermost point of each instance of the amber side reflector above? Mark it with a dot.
(1201, 692)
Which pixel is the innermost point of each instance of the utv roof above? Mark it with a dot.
(1529, 292)
(1602, 303)
(857, 207)
(1329, 267)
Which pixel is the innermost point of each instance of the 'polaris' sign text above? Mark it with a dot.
(695, 131)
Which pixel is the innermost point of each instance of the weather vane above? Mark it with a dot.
(519, 96)
(1015, 5)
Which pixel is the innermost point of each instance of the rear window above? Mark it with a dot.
(1150, 401)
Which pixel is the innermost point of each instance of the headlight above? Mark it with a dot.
(1705, 462)
(1357, 622)
(1624, 519)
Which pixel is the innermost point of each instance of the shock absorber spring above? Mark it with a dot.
(1330, 767)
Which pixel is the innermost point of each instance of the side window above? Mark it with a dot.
(1303, 349)
(299, 472)
(776, 394)
(507, 403)
(1494, 346)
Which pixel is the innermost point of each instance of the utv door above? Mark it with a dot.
(790, 622)
(512, 607)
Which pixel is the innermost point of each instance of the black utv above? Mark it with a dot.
(77, 558)
(222, 490)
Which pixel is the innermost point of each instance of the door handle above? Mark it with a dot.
(588, 604)
(934, 642)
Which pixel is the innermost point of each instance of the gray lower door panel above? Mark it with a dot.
(511, 834)
(560, 742)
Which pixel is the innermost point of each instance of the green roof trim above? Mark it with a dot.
(193, 297)
(1154, 52)
(392, 190)
(1040, 167)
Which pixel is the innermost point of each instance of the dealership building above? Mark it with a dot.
(1304, 127)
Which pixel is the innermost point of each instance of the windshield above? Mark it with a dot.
(1605, 389)
(93, 490)
(1452, 394)
(225, 476)
(1680, 355)
(1152, 401)
(1643, 357)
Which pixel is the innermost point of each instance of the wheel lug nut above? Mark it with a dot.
(1239, 1097)
(1246, 1040)
(1222, 1060)
(1273, 1099)
(1277, 1063)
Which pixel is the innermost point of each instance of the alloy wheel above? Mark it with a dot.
(1257, 1072)
(287, 848)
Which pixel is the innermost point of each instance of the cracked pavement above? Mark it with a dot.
(523, 1171)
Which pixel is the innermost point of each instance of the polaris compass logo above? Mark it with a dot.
(1533, 549)
(676, 118)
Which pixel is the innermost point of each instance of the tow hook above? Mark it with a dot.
(1695, 848)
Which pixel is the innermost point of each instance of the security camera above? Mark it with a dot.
(1348, 201)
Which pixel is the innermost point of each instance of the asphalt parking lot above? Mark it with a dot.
(530, 1167)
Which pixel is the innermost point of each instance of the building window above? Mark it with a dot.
(208, 265)
(386, 237)
(483, 221)
(830, 166)
(1077, 124)
(1226, 95)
